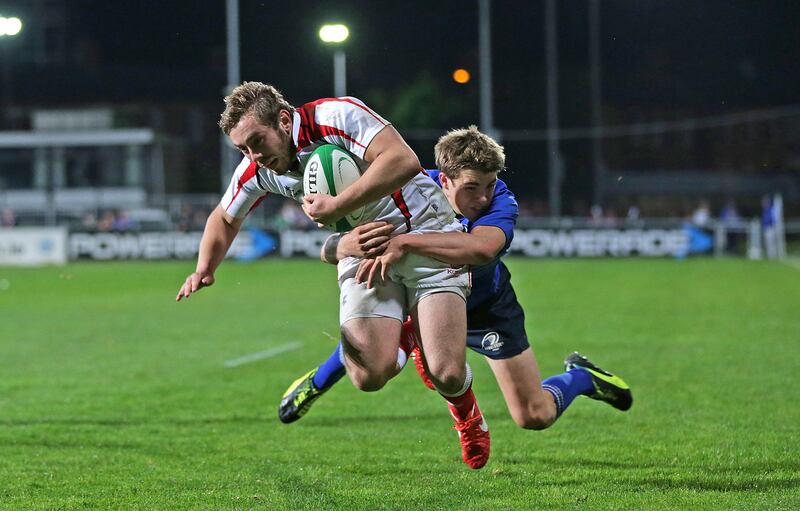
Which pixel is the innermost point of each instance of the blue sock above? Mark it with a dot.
(331, 370)
(565, 387)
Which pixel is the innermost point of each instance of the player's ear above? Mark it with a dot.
(285, 121)
(443, 179)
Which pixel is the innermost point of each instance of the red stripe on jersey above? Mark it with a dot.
(247, 175)
(363, 107)
(328, 131)
(310, 131)
(308, 125)
(400, 202)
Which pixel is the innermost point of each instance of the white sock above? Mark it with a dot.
(465, 387)
(402, 358)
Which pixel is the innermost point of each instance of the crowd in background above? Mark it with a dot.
(287, 214)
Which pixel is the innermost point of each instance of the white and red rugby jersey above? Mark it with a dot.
(350, 124)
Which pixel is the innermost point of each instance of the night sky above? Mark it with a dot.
(660, 59)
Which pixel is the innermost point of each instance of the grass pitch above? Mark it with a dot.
(114, 396)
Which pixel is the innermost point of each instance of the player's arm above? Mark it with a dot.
(474, 248)
(457, 248)
(392, 164)
(366, 240)
(477, 247)
(220, 231)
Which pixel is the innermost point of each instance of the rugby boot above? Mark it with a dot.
(298, 398)
(473, 433)
(607, 387)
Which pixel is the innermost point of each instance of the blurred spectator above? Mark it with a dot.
(123, 222)
(633, 214)
(768, 222)
(610, 218)
(596, 215)
(199, 217)
(9, 219)
(291, 216)
(701, 215)
(527, 208)
(89, 221)
(729, 215)
(732, 222)
(106, 222)
(184, 221)
(191, 218)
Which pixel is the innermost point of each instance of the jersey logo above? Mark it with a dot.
(292, 192)
(491, 342)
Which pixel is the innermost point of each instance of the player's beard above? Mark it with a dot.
(290, 152)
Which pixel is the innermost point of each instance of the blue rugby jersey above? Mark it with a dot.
(487, 279)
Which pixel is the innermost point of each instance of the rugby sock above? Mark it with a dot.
(402, 358)
(463, 401)
(565, 387)
(407, 343)
(331, 371)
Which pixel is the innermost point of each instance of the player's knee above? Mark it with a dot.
(448, 380)
(368, 381)
(536, 418)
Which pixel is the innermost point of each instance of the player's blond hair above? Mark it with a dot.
(261, 100)
(468, 148)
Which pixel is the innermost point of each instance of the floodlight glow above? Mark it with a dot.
(461, 76)
(333, 33)
(10, 26)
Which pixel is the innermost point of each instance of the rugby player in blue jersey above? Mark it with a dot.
(469, 162)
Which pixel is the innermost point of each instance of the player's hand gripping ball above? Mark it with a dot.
(330, 170)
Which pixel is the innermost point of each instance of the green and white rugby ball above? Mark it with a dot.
(330, 170)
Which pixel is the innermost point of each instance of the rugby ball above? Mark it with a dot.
(330, 170)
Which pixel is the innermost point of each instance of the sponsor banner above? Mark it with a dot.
(255, 243)
(31, 246)
(600, 242)
(302, 243)
(108, 246)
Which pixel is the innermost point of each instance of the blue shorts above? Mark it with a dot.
(496, 328)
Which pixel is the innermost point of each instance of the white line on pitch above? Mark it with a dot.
(261, 355)
(792, 262)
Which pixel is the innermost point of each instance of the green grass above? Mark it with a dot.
(114, 396)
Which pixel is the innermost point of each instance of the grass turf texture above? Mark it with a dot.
(114, 396)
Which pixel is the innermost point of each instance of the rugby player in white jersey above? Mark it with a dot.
(276, 139)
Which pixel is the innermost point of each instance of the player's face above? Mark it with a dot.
(470, 193)
(271, 148)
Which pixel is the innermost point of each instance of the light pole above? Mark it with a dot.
(229, 155)
(9, 27)
(556, 170)
(337, 34)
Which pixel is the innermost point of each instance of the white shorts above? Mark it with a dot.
(412, 279)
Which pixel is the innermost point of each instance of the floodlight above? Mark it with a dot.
(10, 26)
(334, 33)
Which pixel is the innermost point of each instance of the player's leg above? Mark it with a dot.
(497, 331)
(441, 321)
(304, 391)
(530, 406)
(370, 346)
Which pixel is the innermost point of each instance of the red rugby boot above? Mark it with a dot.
(473, 433)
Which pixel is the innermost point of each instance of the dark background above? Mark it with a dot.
(660, 61)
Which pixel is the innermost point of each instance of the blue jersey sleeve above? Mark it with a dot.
(502, 213)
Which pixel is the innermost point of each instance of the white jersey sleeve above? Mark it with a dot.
(346, 122)
(251, 184)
